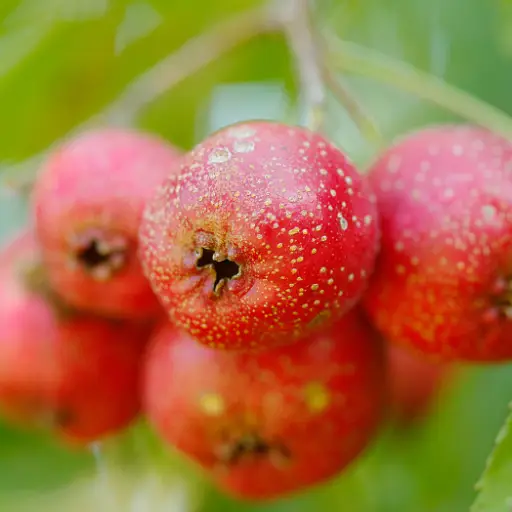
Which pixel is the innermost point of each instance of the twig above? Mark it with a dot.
(353, 58)
(187, 60)
(362, 119)
(297, 24)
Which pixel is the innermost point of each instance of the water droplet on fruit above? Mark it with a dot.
(243, 146)
(343, 223)
(219, 156)
(488, 211)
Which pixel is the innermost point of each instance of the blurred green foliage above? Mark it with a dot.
(61, 61)
(495, 489)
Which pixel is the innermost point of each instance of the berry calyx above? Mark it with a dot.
(99, 253)
(88, 203)
(442, 283)
(274, 422)
(223, 268)
(266, 231)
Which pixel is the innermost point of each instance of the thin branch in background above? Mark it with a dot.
(187, 60)
(362, 119)
(297, 24)
(359, 60)
(173, 69)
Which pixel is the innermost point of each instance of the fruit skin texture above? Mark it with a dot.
(267, 230)
(271, 423)
(88, 202)
(73, 374)
(443, 278)
(415, 383)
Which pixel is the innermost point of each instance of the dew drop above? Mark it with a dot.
(219, 156)
(243, 146)
(488, 212)
(343, 223)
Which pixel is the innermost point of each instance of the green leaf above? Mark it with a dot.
(505, 25)
(495, 486)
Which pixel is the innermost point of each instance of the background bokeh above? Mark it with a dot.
(63, 60)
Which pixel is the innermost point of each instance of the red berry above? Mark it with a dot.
(266, 230)
(273, 422)
(73, 374)
(415, 383)
(443, 282)
(88, 204)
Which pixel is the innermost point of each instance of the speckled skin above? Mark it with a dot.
(283, 204)
(75, 375)
(443, 278)
(316, 404)
(416, 383)
(96, 185)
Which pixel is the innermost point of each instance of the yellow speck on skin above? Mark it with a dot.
(212, 404)
(316, 396)
(319, 319)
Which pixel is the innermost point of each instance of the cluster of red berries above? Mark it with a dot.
(231, 294)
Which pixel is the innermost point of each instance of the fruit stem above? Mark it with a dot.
(366, 125)
(195, 54)
(356, 59)
(298, 26)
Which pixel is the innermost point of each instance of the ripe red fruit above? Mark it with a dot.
(273, 422)
(444, 277)
(267, 230)
(73, 374)
(415, 383)
(88, 203)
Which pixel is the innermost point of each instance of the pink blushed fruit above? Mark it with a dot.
(267, 231)
(88, 202)
(72, 374)
(268, 424)
(443, 281)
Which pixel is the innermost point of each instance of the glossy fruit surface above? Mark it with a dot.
(268, 424)
(88, 203)
(69, 373)
(443, 283)
(266, 231)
